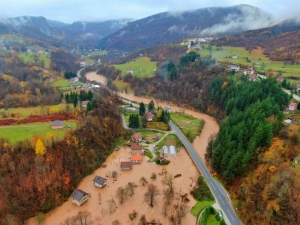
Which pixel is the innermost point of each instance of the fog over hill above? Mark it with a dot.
(171, 27)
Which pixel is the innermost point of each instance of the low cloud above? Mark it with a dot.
(251, 19)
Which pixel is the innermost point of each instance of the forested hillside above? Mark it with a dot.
(254, 117)
(22, 86)
(39, 174)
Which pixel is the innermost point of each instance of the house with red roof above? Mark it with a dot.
(136, 159)
(137, 137)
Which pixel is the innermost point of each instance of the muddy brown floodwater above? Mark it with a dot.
(181, 164)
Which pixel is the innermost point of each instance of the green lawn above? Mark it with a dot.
(189, 125)
(170, 136)
(23, 132)
(25, 112)
(200, 206)
(61, 82)
(211, 220)
(28, 58)
(142, 67)
(256, 58)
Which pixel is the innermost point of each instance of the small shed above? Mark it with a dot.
(136, 159)
(172, 150)
(165, 150)
(126, 165)
(99, 181)
(57, 124)
(160, 160)
(149, 116)
(79, 197)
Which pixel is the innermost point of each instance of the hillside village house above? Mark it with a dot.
(297, 159)
(84, 103)
(79, 197)
(293, 106)
(236, 68)
(129, 70)
(136, 159)
(99, 181)
(136, 149)
(57, 124)
(74, 80)
(126, 165)
(82, 64)
(149, 116)
(252, 77)
(137, 137)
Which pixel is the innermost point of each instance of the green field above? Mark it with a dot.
(200, 206)
(122, 86)
(256, 58)
(28, 58)
(142, 67)
(12, 38)
(38, 110)
(23, 132)
(172, 137)
(211, 220)
(189, 125)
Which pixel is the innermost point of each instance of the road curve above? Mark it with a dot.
(219, 193)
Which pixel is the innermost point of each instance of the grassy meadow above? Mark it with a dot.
(200, 206)
(28, 58)
(142, 67)
(256, 57)
(122, 86)
(23, 132)
(25, 112)
(189, 125)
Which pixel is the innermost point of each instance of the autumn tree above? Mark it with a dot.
(150, 195)
(40, 148)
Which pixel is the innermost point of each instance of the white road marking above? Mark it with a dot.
(221, 199)
(230, 214)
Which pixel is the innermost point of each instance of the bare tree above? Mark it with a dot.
(116, 222)
(112, 206)
(153, 176)
(114, 174)
(121, 195)
(130, 189)
(132, 215)
(143, 181)
(168, 180)
(99, 198)
(151, 193)
(143, 220)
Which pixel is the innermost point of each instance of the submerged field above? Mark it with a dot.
(142, 67)
(24, 132)
(254, 58)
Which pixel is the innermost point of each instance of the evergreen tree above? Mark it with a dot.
(151, 106)
(142, 109)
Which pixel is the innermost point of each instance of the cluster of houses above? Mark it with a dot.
(291, 108)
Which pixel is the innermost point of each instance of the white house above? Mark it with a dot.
(82, 64)
(165, 150)
(79, 197)
(74, 79)
(99, 181)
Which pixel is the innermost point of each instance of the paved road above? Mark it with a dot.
(220, 194)
(218, 191)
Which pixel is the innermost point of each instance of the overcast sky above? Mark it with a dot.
(99, 10)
